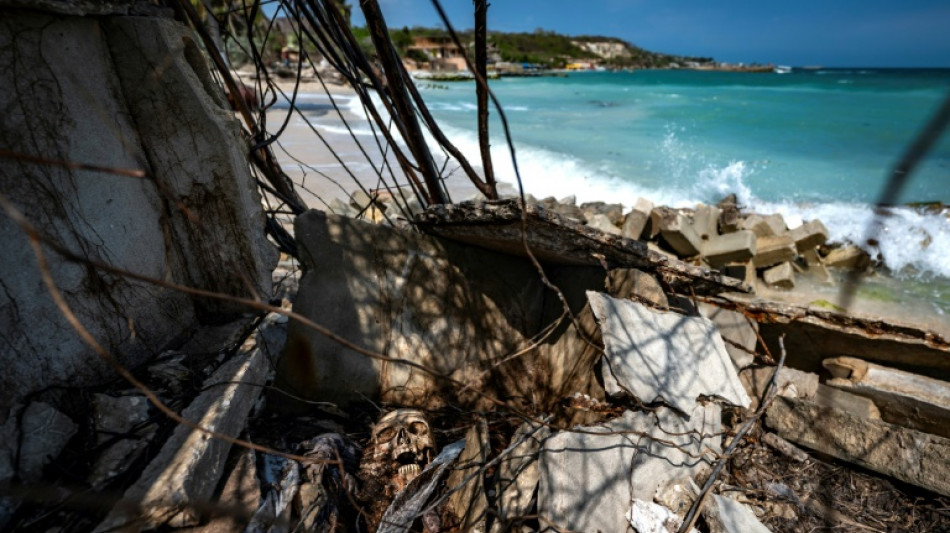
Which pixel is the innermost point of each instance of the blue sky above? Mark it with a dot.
(900, 33)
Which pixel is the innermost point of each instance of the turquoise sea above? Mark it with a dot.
(816, 143)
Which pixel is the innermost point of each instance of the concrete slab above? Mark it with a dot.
(781, 276)
(856, 405)
(771, 251)
(636, 220)
(518, 476)
(589, 478)
(910, 400)
(734, 517)
(190, 464)
(648, 517)
(809, 235)
(737, 330)
(911, 456)
(736, 247)
(656, 355)
(850, 257)
(602, 222)
(677, 230)
(706, 221)
(553, 240)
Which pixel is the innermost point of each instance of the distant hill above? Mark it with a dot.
(553, 50)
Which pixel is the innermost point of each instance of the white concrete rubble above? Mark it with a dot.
(655, 355)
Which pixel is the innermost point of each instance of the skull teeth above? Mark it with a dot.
(409, 471)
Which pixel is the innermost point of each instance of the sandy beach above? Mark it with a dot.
(329, 148)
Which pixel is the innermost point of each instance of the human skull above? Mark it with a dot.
(402, 444)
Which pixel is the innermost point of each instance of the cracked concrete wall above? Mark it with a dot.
(117, 92)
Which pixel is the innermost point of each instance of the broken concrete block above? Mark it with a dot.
(361, 200)
(850, 257)
(729, 216)
(910, 400)
(850, 403)
(115, 460)
(589, 478)
(790, 382)
(189, 465)
(816, 267)
(733, 247)
(241, 490)
(467, 496)
(518, 476)
(737, 330)
(44, 433)
(743, 271)
(636, 220)
(677, 496)
(654, 247)
(613, 212)
(809, 235)
(601, 222)
(339, 207)
(771, 251)
(630, 282)
(781, 276)
(784, 447)
(117, 415)
(733, 517)
(654, 355)
(648, 517)
(706, 221)
(911, 456)
(677, 231)
(776, 223)
(758, 225)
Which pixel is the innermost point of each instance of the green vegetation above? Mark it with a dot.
(545, 48)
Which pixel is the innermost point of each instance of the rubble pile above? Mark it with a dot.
(617, 420)
(748, 246)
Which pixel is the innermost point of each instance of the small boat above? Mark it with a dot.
(782, 69)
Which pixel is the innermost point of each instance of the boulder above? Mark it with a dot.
(87, 90)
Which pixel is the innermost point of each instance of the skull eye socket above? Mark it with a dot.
(386, 435)
(418, 428)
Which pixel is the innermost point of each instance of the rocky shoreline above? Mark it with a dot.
(758, 249)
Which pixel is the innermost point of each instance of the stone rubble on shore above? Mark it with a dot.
(752, 247)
